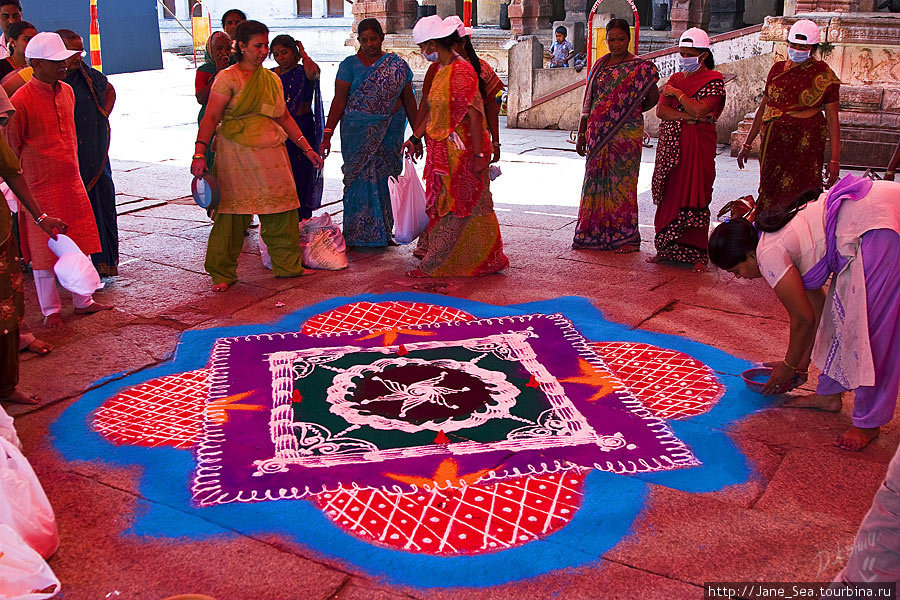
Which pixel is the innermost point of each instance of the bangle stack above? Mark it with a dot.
(328, 130)
(415, 140)
(199, 157)
(40, 218)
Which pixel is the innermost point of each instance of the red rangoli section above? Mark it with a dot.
(167, 411)
(670, 383)
(362, 316)
(473, 519)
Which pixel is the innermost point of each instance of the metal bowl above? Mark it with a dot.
(757, 377)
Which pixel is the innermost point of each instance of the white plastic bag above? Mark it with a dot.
(24, 575)
(8, 430)
(23, 504)
(322, 245)
(74, 269)
(408, 204)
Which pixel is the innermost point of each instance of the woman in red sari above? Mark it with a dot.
(463, 235)
(685, 157)
(793, 128)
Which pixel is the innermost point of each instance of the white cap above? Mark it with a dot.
(430, 28)
(803, 31)
(48, 46)
(694, 38)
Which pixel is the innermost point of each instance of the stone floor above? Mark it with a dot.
(793, 521)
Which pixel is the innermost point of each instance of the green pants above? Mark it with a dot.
(9, 362)
(279, 231)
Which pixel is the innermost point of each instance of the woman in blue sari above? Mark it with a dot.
(304, 103)
(373, 99)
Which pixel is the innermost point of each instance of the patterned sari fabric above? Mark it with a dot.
(11, 299)
(793, 149)
(463, 235)
(371, 137)
(608, 217)
(304, 102)
(685, 171)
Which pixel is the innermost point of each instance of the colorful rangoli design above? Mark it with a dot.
(419, 427)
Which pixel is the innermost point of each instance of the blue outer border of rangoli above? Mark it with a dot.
(611, 502)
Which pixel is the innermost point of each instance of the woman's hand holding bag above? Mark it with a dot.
(408, 204)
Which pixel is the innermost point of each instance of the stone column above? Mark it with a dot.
(685, 14)
(528, 16)
(393, 15)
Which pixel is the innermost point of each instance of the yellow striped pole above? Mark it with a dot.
(96, 60)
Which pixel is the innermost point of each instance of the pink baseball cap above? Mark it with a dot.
(694, 38)
(48, 46)
(803, 31)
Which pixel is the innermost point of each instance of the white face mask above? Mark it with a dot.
(431, 56)
(798, 56)
(689, 64)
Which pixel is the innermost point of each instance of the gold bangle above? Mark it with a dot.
(199, 156)
(791, 367)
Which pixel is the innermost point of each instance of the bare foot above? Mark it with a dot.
(627, 249)
(417, 274)
(18, 397)
(830, 403)
(220, 287)
(52, 321)
(856, 438)
(39, 346)
(307, 272)
(92, 308)
(654, 259)
(700, 267)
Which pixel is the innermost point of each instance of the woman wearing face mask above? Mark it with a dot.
(463, 235)
(793, 127)
(304, 102)
(252, 165)
(685, 168)
(851, 236)
(489, 85)
(373, 99)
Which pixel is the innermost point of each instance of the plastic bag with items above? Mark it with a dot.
(24, 575)
(23, 504)
(322, 245)
(408, 204)
(8, 429)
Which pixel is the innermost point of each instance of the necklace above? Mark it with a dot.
(621, 60)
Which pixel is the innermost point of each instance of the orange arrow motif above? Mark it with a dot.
(390, 335)
(446, 473)
(217, 408)
(592, 376)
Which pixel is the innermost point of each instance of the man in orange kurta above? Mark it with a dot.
(42, 133)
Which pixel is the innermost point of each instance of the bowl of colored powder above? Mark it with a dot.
(757, 377)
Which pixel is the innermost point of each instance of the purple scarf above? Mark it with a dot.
(850, 187)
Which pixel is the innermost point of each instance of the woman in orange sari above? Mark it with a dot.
(463, 235)
(686, 154)
(793, 128)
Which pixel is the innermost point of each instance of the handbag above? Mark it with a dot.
(408, 204)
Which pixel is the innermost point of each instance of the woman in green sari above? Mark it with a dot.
(252, 165)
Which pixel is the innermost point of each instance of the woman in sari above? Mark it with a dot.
(851, 236)
(252, 165)
(304, 103)
(463, 235)
(793, 128)
(489, 85)
(373, 99)
(685, 156)
(621, 87)
(14, 72)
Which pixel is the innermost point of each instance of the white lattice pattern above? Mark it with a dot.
(363, 316)
(669, 383)
(464, 520)
(167, 411)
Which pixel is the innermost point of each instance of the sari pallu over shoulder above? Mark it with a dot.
(449, 141)
(369, 116)
(808, 85)
(668, 148)
(612, 95)
(251, 121)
